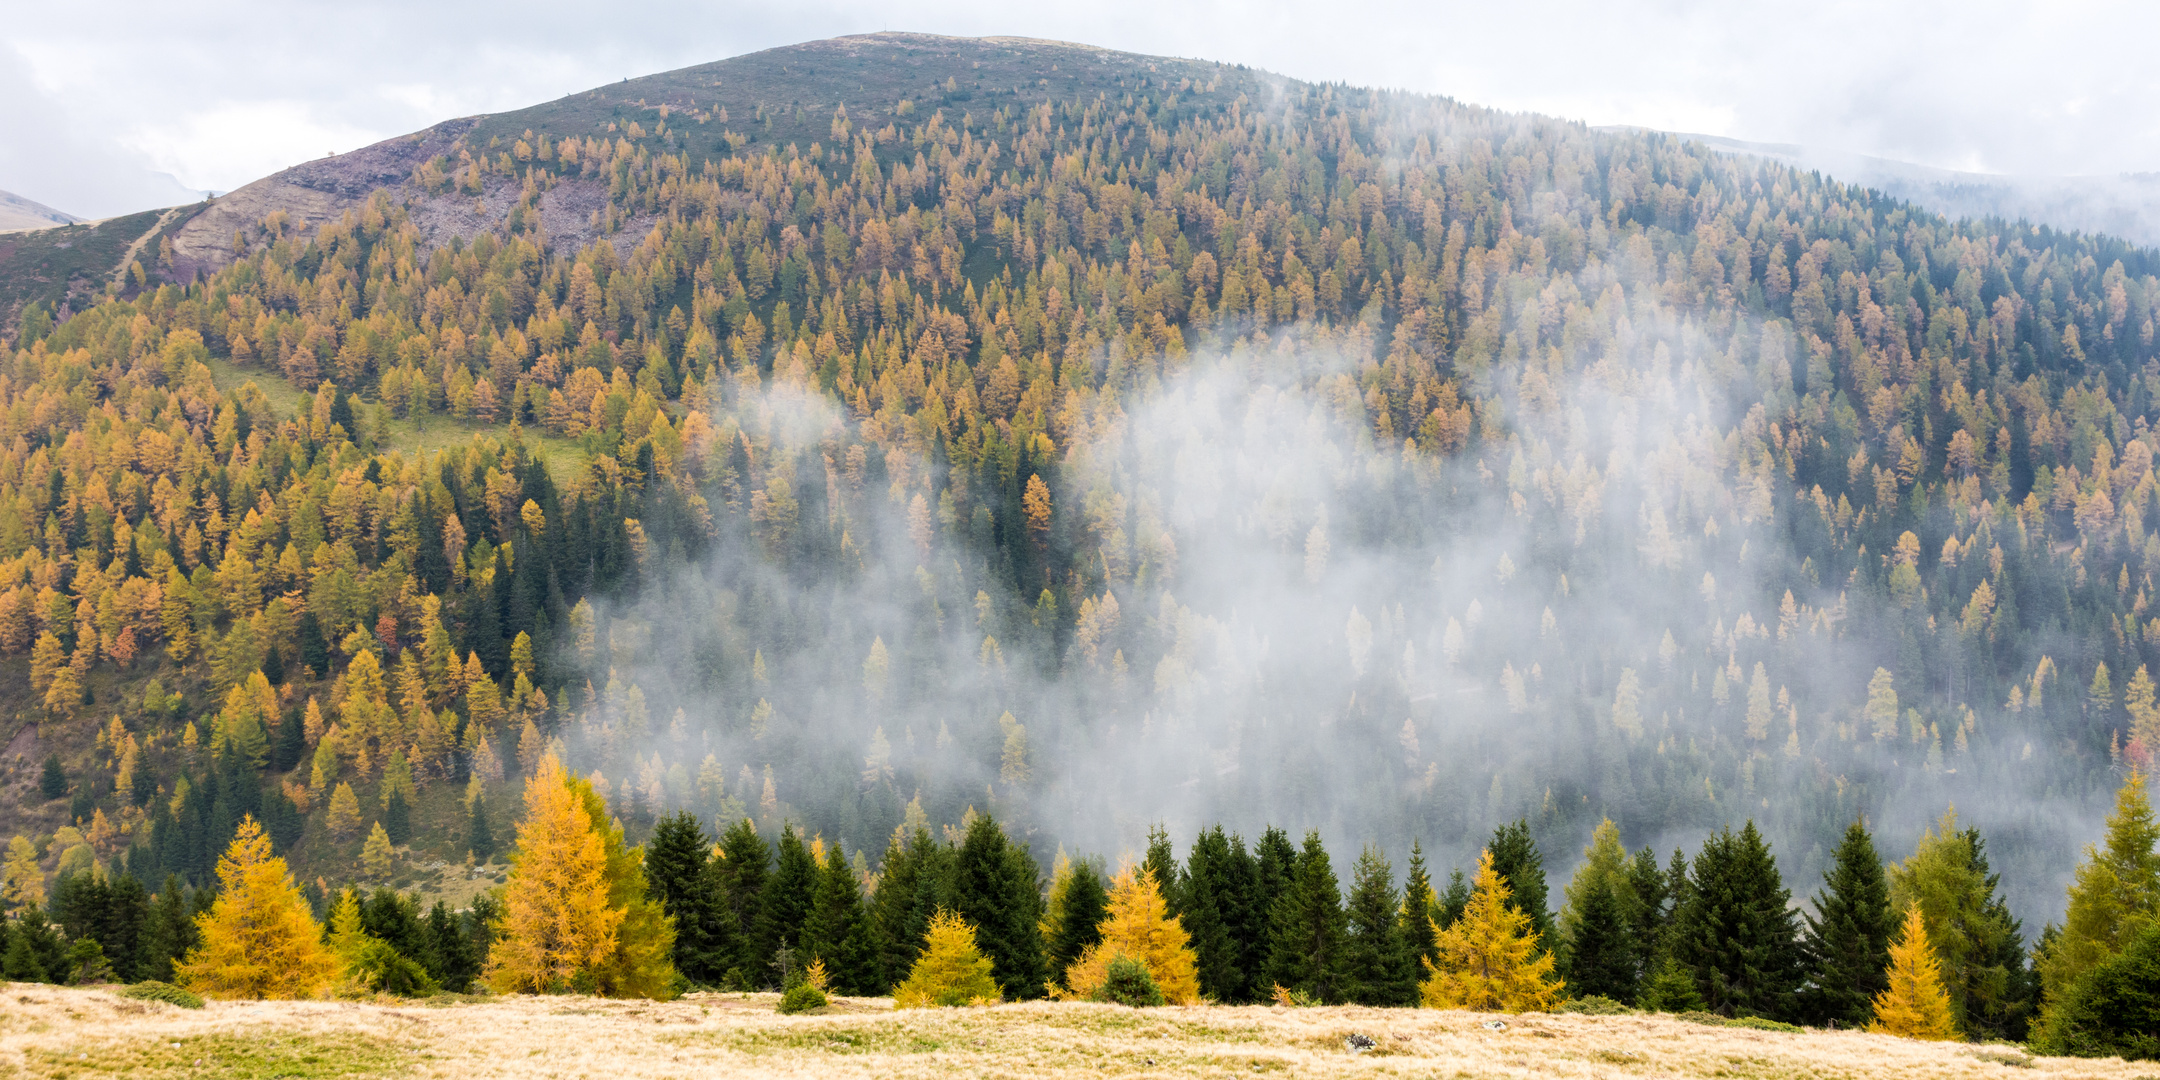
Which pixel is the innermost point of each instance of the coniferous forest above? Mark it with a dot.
(878, 504)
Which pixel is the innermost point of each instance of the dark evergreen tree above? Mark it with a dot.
(1163, 861)
(916, 880)
(836, 932)
(1274, 868)
(1378, 967)
(21, 962)
(392, 917)
(479, 923)
(110, 911)
(785, 901)
(1516, 859)
(1217, 889)
(1420, 911)
(36, 952)
(479, 835)
(996, 890)
(2108, 1010)
(1735, 931)
(1452, 902)
(450, 958)
(1086, 902)
(142, 787)
(1847, 942)
(397, 818)
(1603, 956)
(291, 744)
(273, 669)
(1999, 991)
(52, 783)
(171, 932)
(678, 873)
(314, 651)
(1652, 908)
(1305, 950)
(744, 864)
(125, 926)
(282, 820)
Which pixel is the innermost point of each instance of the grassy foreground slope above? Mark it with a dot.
(53, 1032)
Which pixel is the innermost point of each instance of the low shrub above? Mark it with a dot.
(1759, 1024)
(162, 991)
(1594, 1005)
(1129, 983)
(802, 997)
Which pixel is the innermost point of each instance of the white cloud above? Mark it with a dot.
(226, 145)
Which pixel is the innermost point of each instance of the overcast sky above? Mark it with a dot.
(122, 105)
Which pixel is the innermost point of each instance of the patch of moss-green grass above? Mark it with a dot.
(253, 1056)
(848, 1039)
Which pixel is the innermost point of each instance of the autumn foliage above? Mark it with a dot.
(557, 922)
(1489, 960)
(1138, 926)
(951, 970)
(258, 938)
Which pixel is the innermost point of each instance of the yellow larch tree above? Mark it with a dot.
(258, 939)
(377, 856)
(1915, 1006)
(25, 879)
(556, 920)
(1489, 960)
(641, 962)
(1138, 925)
(951, 970)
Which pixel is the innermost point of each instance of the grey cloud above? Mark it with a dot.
(2001, 87)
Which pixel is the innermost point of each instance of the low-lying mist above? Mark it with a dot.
(1271, 607)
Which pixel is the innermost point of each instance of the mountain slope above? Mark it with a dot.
(1094, 440)
(18, 213)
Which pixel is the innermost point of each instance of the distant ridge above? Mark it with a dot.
(18, 214)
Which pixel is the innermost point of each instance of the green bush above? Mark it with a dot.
(1129, 983)
(383, 969)
(802, 997)
(162, 991)
(1759, 1024)
(2109, 1010)
(1755, 1023)
(1595, 1005)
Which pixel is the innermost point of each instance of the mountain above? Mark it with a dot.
(891, 430)
(18, 213)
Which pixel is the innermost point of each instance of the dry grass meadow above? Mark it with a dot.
(84, 1033)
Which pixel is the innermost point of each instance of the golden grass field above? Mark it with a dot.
(84, 1033)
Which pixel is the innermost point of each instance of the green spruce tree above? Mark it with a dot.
(1449, 908)
(1603, 955)
(997, 893)
(1081, 907)
(1420, 910)
(1377, 964)
(1517, 861)
(1306, 942)
(1847, 943)
(742, 870)
(1736, 932)
(786, 901)
(1216, 890)
(678, 873)
(837, 933)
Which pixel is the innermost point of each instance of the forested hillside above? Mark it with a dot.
(1168, 442)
